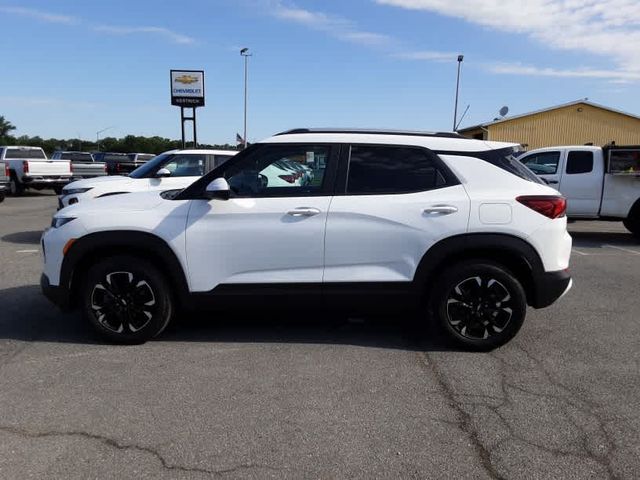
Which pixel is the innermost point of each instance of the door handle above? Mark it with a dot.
(441, 210)
(303, 212)
(552, 182)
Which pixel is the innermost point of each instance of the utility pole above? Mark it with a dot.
(245, 53)
(455, 108)
(98, 136)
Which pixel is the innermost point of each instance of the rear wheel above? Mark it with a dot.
(15, 187)
(632, 222)
(479, 304)
(127, 299)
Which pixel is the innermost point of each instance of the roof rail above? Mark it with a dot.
(368, 131)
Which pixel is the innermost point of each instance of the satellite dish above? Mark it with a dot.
(503, 111)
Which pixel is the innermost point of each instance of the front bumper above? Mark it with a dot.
(57, 295)
(549, 287)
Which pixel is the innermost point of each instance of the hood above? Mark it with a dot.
(121, 204)
(95, 182)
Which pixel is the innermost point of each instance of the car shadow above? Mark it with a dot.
(30, 238)
(602, 239)
(29, 317)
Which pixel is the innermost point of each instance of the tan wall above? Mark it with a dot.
(569, 126)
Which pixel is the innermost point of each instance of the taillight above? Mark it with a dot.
(105, 168)
(288, 178)
(71, 167)
(549, 206)
(118, 167)
(6, 170)
(25, 166)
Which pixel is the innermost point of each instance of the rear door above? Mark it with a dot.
(581, 182)
(395, 202)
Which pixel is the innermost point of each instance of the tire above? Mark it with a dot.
(1, 197)
(15, 187)
(478, 304)
(126, 299)
(632, 222)
(57, 190)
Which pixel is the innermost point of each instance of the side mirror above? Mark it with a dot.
(162, 173)
(218, 188)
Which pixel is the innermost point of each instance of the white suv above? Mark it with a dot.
(169, 170)
(453, 228)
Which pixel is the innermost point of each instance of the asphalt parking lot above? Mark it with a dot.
(321, 397)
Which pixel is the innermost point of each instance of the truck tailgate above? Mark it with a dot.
(49, 167)
(88, 170)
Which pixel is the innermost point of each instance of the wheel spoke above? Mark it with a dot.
(479, 307)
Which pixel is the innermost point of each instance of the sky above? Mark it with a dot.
(71, 68)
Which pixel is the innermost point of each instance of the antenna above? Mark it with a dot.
(503, 111)
(462, 117)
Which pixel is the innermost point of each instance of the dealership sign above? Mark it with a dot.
(187, 88)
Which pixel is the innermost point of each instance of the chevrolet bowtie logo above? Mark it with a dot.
(186, 79)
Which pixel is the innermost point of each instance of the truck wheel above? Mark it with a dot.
(1, 197)
(478, 304)
(57, 190)
(632, 222)
(15, 187)
(127, 299)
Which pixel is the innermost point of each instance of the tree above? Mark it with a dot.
(5, 127)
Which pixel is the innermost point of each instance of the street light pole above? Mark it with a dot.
(245, 53)
(455, 108)
(98, 136)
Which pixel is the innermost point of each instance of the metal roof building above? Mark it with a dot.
(575, 123)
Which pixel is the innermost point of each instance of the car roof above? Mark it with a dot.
(439, 141)
(202, 150)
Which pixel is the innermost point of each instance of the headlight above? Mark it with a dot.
(57, 222)
(75, 191)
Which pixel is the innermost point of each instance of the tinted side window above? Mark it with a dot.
(382, 169)
(543, 163)
(579, 162)
(279, 171)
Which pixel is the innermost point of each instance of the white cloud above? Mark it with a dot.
(337, 27)
(615, 76)
(161, 31)
(609, 28)
(428, 55)
(39, 15)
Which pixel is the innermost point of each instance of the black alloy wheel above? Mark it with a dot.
(479, 304)
(127, 299)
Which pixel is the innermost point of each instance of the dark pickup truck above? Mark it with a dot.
(122, 163)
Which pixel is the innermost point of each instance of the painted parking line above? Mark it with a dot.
(628, 250)
(579, 252)
(28, 251)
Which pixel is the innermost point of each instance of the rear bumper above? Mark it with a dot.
(4, 186)
(53, 181)
(57, 295)
(549, 287)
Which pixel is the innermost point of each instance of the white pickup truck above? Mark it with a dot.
(30, 168)
(4, 180)
(599, 182)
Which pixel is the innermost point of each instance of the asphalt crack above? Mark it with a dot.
(110, 442)
(465, 419)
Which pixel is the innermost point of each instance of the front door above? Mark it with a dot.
(271, 231)
(546, 165)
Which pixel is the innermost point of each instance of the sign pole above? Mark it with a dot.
(182, 124)
(195, 136)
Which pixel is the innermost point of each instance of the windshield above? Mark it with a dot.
(77, 156)
(151, 167)
(21, 153)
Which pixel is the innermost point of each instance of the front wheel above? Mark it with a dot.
(127, 299)
(479, 304)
